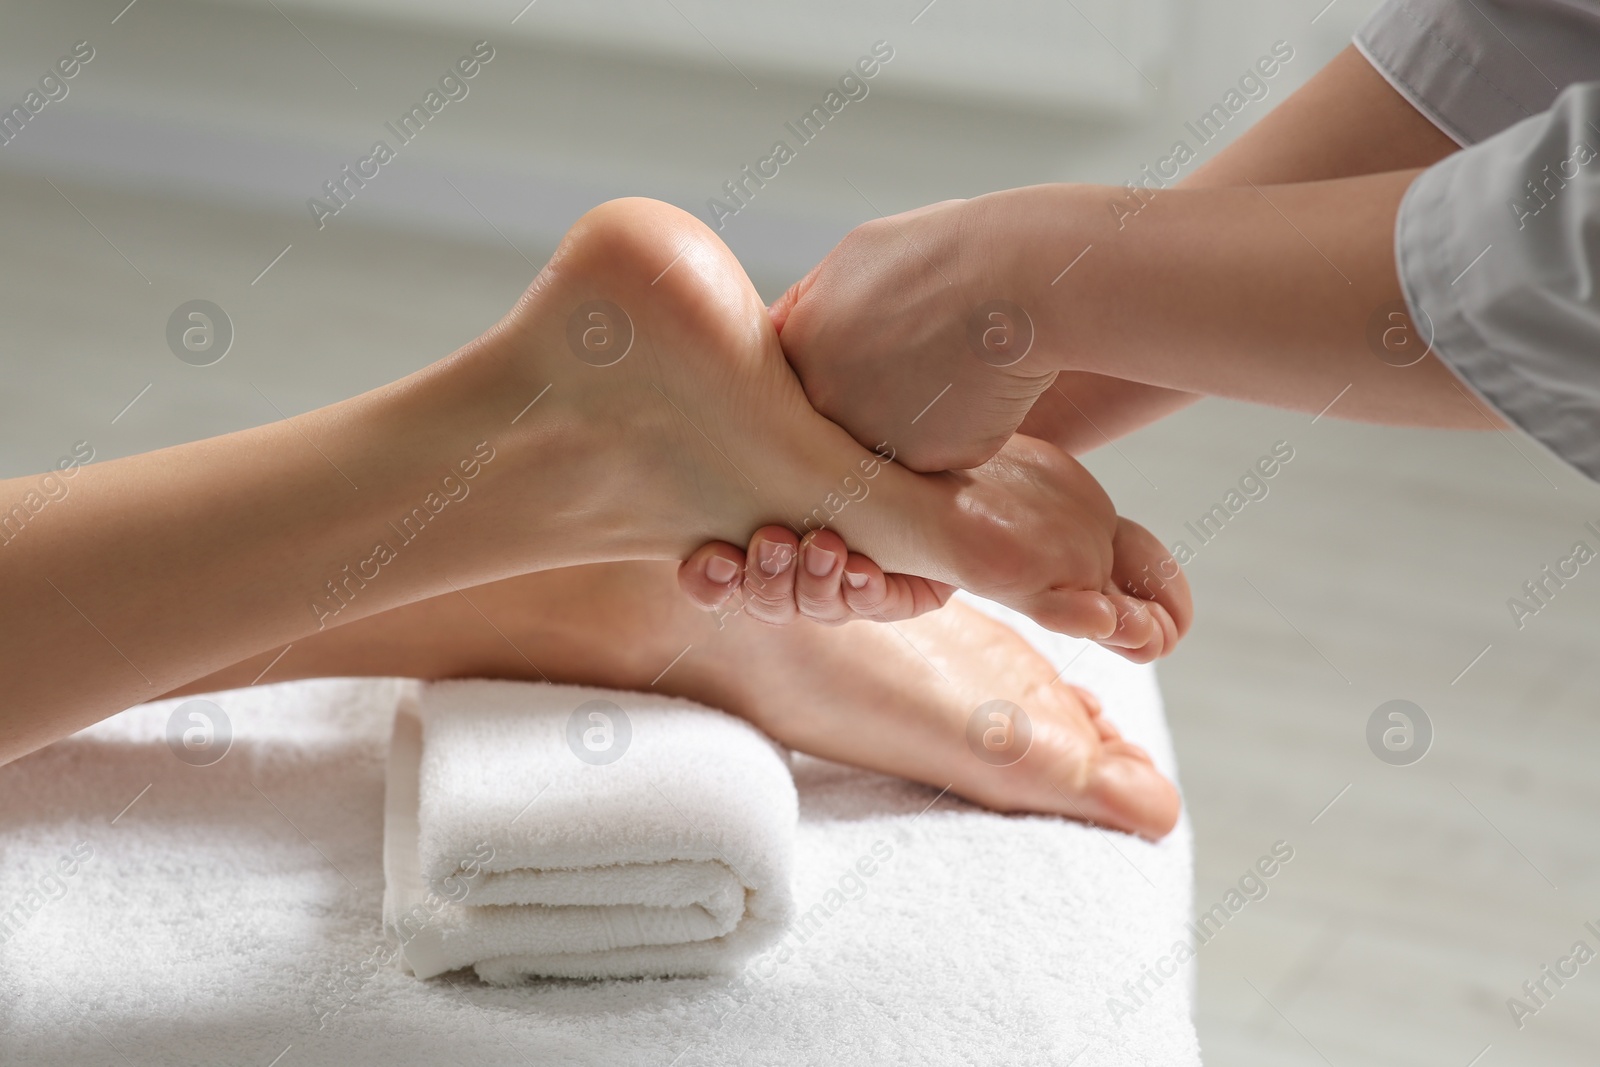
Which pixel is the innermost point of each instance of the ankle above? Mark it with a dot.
(526, 468)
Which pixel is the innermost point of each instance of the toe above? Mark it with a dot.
(769, 575)
(1091, 702)
(1145, 569)
(1078, 765)
(1137, 629)
(1119, 788)
(1126, 791)
(1146, 631)
(1074, 612)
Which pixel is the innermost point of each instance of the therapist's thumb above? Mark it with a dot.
(784, 305)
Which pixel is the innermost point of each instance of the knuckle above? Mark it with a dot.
(767, 612)
(820, 609)
(770, 600)
(869, 233)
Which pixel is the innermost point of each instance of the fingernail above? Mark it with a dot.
(1109, 629)
(819, 561)
(773, 558)
(856, 580)
(721, 569)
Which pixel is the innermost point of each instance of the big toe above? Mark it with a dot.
(1103, 780)
(1125, 791)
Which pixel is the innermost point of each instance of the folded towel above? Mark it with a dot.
(540, 830)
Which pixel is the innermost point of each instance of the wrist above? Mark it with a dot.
(1208, 290)
(1052, 238)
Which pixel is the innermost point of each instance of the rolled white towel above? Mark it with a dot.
(563, 831)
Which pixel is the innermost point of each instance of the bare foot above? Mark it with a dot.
(901, 700)
(860, 693)
(665, 373)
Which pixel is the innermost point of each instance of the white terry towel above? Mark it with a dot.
(564, 831)
(228, 911)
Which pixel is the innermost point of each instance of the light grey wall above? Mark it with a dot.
(208, 108)
(244, 104)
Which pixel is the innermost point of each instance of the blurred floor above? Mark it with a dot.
(1377, 567)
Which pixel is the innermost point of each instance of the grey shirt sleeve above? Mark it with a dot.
(1475, 67)
(1498, 249)
(1497, 246)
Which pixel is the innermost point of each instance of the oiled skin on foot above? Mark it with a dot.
(861, 693)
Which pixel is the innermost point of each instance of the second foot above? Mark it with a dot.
(902, 700)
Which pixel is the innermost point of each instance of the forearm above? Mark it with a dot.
(1082, 411)
(1346, 121)
(1260, 293)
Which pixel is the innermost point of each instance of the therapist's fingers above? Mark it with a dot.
(712, 574)
(872, 594)
(835, 585)
(769, 575)
(819, 580)
(781, 307)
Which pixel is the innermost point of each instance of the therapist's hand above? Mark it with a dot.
(779, 579)
(904, 307)
(895, 337)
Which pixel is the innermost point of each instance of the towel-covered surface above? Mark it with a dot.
(232, 915)
(565, 831)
